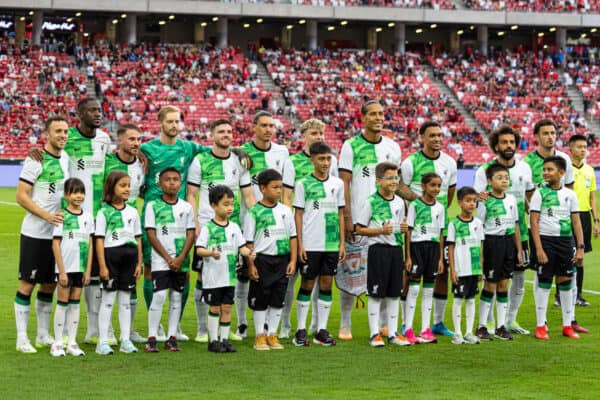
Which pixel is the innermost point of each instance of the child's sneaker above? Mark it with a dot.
(502, 334)
(324, 338)
(201, 338)
(151, 345)
(427, 336)
(260, 343)
(410, 336)
(301, 338)
(103, 349)
(226, 344)
(441, 329)
(273, 342)
(234, 338)
(376, 341)
(398, 340)
(171, 344)
(569, 332)
(216, 347)
(127, 347)
(57, 350)
(43, 341)
(73, 349)
(458, 339)
(541, 333)
(24, 346)
(471, 339)
(345, 333)
(483, 334)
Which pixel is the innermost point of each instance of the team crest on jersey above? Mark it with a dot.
(234, 172)
(181, 215)
(129, 221)
(387, 156)
(277, 163)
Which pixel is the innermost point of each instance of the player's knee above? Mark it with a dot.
(564, 283)
(325, 283)
(307, 284)
(47, 287)
(25, 288)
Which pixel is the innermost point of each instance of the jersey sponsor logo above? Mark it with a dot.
(423, 230)
(497, 222)
(254, 180)
(316, 205)
(80, 164)
(115, 236)
(70, 235)
(165, 230)
(366, 172)
(52, 188)
(266, 233)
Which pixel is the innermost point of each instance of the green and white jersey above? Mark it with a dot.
(498, 215)
(426, 221)
(75, 233)
(227, 240)
(555, 208)
(466, 237)
(161, 156)
(118, 227)
(208, 170)
(377, 211)
(359, 157)
(320, 201)
(47, 180)
(86, 162)
(536, 163)
(418, 164)
(276, 157)
(171, 223)
(134, 169)
(270, 229)
(520, 183)
(303, 167)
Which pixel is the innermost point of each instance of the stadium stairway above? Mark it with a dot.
(269, 85)
(444, 89)
(577, 101)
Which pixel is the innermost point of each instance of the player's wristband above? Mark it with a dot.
(596, 219)
(581, 246)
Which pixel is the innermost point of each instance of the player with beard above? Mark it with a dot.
(504, 142)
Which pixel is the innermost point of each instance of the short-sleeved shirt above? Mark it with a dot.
(208, 170)
(227, 240)
(75, 233)
(536, 163)
(275, 157)
(303, 167)
(555, 208)
(466, 237)
(86, 161)
(270, 229)
(585, 183)
(171, 223)
(520, 183)
(425, 221)
(134, 169)
(161, 156)
(498, 215)
(418, 164)
(118, 227)
(320, 202)
(377, 211)
(359, 157)
(47, 181)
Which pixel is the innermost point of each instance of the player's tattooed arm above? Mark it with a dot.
(405, 192)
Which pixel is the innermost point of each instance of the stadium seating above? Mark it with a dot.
(433, 4)
(333, 85)
(558, 6)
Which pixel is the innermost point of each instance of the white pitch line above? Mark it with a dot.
(584, 290)
(8, 203)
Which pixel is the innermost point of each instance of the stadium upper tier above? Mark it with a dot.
(134, 82)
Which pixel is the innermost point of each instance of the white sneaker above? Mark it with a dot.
(24, 346)
(136, 337)
(42, 341)
(74, 350)
(91, 340)
(457, 339)
(161, 335)
(57, 350)
(112, 340)
(284, 333)
(201, 338)
(182, 337)
(103, 349)
(471, 339)
(127, 347)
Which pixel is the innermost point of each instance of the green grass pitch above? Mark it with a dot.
(521, 369)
